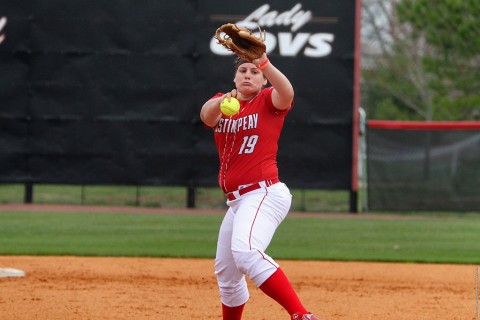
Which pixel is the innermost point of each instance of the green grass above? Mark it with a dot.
(433, 240)
(106, 234)
(429, 240)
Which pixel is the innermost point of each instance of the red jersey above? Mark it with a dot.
(247, 143)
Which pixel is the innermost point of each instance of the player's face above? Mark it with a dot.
(249, 80)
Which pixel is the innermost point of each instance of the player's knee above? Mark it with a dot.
(233, 290)
(234, 296)
(257, 265)
(246, 260)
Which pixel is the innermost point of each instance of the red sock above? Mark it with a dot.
(232, 313)
(279, 289)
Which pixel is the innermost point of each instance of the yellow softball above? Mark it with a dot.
(230, 108)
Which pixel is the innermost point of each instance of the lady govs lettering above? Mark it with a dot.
(290, 42)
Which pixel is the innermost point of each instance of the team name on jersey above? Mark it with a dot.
(227, 125)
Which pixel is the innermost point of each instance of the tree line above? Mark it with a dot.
(421, 59)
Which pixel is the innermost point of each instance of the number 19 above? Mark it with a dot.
(248, 144)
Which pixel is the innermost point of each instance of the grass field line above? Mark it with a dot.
(70, 208)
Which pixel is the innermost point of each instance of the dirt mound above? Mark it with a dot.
(153, 288)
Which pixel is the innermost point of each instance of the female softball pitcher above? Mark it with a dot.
(247, 144)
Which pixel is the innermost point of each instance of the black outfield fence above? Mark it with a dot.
(109, 92)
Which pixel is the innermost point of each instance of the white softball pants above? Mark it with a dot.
(245, 233)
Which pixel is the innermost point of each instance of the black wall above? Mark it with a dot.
(109, 92)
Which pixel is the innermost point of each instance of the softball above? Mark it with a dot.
(230, 108)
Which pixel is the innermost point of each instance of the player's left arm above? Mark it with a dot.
(282, 95)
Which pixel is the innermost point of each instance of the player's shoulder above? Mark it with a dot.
(267, 97)
(267, 91)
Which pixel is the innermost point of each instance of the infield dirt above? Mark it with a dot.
(154, 288)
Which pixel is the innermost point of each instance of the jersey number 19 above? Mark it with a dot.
(248, 144)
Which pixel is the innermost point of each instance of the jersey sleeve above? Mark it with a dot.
(269, 103)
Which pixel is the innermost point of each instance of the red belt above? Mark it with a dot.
(236, 194)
